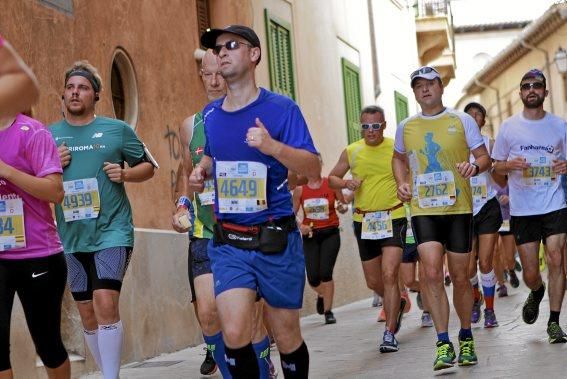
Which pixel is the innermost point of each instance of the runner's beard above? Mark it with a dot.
(533, 104)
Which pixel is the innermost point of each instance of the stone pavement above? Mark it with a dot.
(348, 349)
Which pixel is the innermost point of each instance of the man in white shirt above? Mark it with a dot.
(530, 149)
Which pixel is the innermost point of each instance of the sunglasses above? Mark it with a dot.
(229, 45)
(375, 126)
(423, 71)
(534, 85)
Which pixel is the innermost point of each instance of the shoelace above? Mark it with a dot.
(443, 350)
(467, 348)
(556, 329)
(388, 337)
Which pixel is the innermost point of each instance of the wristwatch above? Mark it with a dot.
(477, 168)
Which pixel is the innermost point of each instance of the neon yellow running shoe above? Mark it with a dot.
(467, 356)
(445, 356)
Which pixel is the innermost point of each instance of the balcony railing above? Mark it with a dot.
(432, 8)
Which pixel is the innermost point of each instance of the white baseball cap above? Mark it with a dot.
(425, 72)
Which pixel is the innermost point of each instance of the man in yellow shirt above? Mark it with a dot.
(432, 170)
(379, 217)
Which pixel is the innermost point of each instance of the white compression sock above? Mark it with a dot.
(110, 346)
(91, 338)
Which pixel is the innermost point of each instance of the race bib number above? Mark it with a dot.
(82, 199)
(241, 186)
(539, 173)
(12, 228)
(505, 227)
(316, 209)
(376, 226)
(479, 190)
(207, 197)
(436, 189)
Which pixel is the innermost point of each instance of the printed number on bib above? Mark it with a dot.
(12, 228)
(241, 186)
(479, 189)
(82, 199)
(316, 209)
(207, 197)
(376, 226)
(436, 189)
(539, 173)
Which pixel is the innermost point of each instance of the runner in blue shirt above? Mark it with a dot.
(254, 137)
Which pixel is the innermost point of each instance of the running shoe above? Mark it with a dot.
(530, 311)
(376, 300)
(273, 373)
(555, 333)
(330, 318)
(475, 317)
(400, 315)
(426, 320)
(502, 291)
(405, 295)
(389, 343)
(381, 315)
(447, 279)
(419, 301)
(467, 356)
(209, 366)
(514, 281)
(490, 319)
(320, 305)
(445, 356)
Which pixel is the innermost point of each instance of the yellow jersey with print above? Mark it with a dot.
(434, 145)
(373, 165)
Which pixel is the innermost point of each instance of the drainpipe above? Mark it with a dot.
(547, 67)
(497, 91)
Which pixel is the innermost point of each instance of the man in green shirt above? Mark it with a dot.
(95, 218)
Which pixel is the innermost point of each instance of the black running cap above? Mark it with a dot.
(209, 38)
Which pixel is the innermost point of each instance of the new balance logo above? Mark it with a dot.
(34, 275)
(97, 135)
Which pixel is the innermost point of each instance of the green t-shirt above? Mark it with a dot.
(204, 214)
(103, 140)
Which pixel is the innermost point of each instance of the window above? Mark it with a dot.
(124, 88)
(280, 56)
(401, 107)
(353, 103)
(203, 18)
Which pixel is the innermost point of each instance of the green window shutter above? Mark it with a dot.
(353, 102)
(280, 56)
(401, 107)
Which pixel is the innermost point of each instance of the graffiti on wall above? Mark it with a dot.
(176, 151)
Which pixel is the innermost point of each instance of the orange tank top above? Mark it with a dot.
(319, 206)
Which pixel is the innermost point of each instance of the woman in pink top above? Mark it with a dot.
(31, 256)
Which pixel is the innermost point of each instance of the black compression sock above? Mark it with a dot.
(295, 365)
(242, 362)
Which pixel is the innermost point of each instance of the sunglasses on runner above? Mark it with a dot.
(534, 85)
(375, 126)
(423, 71)
(229, 45)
